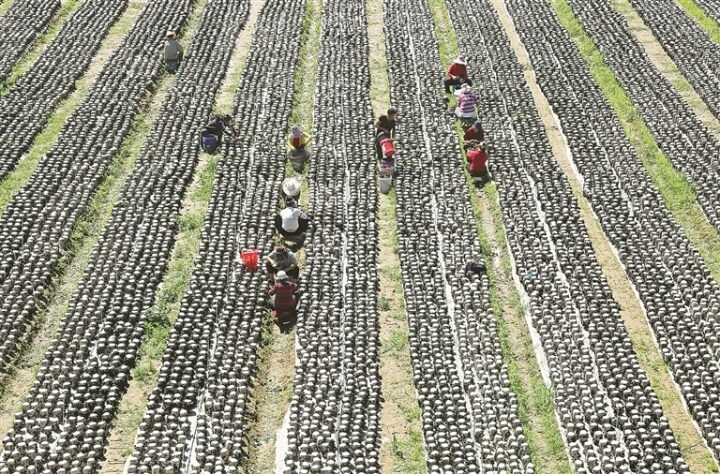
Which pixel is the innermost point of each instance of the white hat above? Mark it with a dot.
(461, 60)
(291, 187)
(295, 131)
(281, 275)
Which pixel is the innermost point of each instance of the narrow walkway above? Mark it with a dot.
(274, 382)
(181, 265)
(665, 65)
(402, 449)
(691, 445)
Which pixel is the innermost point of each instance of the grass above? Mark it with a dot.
(24, 64)
(403, 448)
(20, 176)
(536, 407)
(666, 65)
(676, 191)
(274, 383)
(696, 12)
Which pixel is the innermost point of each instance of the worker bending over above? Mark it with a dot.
(457, 74)
(384, 129)
(477, 161)
(173, 53)
(467, 104)
(291, 222)
(474, 133)
(282, 259)
(296, 144)
(212, 134)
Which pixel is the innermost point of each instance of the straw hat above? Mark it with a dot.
(291, 187)
(170, 34)
(281, 275)
(461, 60)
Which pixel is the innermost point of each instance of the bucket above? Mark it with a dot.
(388, 147)
(209, 143)
(250, 259)
(385, 184)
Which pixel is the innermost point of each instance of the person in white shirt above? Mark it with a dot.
(291, 221)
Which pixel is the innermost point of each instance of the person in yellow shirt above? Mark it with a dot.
(296, 143)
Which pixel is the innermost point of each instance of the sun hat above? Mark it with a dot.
(295, 131)
(477, 124)
(291, 187)
(461, 60)
(281, 275)
(170, 34)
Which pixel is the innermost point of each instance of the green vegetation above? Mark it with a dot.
(676, 191)
(535, 400)
(20, 176)
(22, 66)
(696, 12)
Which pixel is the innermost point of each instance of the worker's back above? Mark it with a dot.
(173, 50)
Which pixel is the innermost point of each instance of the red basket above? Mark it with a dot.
(250, 259)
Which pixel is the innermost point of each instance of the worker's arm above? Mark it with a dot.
(290, 267)
(271, 291)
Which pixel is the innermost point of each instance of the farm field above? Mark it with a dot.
(559, 314)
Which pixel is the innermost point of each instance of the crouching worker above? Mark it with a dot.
(296, 144)
(283, 300)
(173, 53)
(282, 260)
(291, 223)
(457, 74)
(212, 135)
(477, 162)
(467, 104)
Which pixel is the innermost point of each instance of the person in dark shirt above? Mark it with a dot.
(284, 260)
(474, 133)
(384, 128)
(218, 125)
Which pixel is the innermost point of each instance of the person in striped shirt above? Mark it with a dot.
(467, 103)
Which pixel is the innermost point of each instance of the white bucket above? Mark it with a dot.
(385, 184)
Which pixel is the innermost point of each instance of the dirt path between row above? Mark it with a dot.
(691, 444)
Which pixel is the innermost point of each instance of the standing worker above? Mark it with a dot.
(457, 74)
(384, 129)
(173, 53)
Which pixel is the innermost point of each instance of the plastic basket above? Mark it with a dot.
(250, 259)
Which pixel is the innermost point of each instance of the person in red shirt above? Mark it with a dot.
(477, 162)
(457, 74)
(474, 133)
(282, 296)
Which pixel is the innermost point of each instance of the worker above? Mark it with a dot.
(291, 222)
(212, 135)
(477, 161)
(173, 53)
(297, 140)
(296, 144)
(467, 103)
(290, 189)
(457, 74)
(282, 296)
(474, 133)
(282, 259)
(384, 129)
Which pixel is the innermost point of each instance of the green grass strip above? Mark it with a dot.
(535, 400)
(675, 189)
(20, 176)
(697, 13)
(25, 63)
